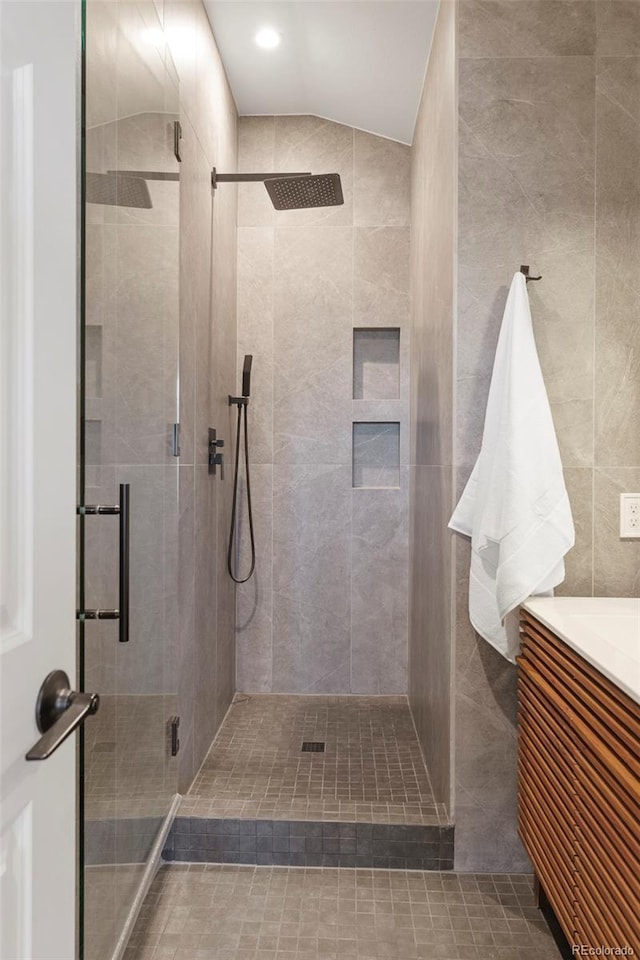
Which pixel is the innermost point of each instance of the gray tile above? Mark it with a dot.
(500, 28)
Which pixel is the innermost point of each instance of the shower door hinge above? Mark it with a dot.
(175, 442)
(177, 140)
(174, 723)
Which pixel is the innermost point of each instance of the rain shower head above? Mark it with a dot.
(291, 191)
(115, 190)
(300, 193)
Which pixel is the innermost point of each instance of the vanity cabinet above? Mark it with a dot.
(579, 790)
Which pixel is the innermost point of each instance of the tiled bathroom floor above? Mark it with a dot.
(212, 912)
(128, 772)
(372, 768)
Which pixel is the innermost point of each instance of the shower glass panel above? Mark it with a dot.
(130, 393)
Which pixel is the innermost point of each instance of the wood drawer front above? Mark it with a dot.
(545, 721)
(597, 857)
(595, 888)
(600, 795)
(600, 715)
(547, 787)
(560, 893)
(579, 791)
(586, 682)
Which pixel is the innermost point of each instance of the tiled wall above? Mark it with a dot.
(433, 186)
(549, 175)
(326, 611)
(206, 595)
(131, 348)
(161, 324)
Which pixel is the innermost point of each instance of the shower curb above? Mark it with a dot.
(308, 843)
(152, 866)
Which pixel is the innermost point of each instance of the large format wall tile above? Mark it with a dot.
(256, 154)
(535, 28)
(485, 746)
(312, 344)
(180, 29)
(256, 332)
(306, 278)
(381, 276)
(208, 555)
(526, 196)
(311, 576)
(430, 650)
(433, 205)
(186, 631)
(311, 144)
(618, 28)
(147, 342)
(382, 182)
(579, 561)
(616, 562)
(254, 610)
(379, 589)
(549, 153)
(617, 344)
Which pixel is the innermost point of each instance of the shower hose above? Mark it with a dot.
(230, 566)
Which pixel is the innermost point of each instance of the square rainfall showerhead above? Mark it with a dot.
(301, 193)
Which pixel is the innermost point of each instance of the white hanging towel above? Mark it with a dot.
(515, 506)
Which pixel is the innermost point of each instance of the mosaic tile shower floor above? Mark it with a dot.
(214, 912)
(371, 770)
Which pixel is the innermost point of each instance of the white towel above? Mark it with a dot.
(515, 506)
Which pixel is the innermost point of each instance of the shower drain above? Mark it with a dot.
(313, 746)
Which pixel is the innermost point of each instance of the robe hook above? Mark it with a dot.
(525, 269)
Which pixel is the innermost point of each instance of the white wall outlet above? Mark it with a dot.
(630, 515)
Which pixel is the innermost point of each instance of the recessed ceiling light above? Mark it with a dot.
(267, 38)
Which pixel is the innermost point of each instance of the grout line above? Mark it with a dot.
(595, 318)
(353, 270)
(273, 437)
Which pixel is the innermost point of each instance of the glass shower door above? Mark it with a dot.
(130, 385)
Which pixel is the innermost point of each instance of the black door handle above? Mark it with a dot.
(122, 613)
(59, 711)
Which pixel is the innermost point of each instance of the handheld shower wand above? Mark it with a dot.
(242, 403)
(246, 376)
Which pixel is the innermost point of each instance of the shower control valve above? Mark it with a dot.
(215, 459)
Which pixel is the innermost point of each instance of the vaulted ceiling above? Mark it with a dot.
(358, 62)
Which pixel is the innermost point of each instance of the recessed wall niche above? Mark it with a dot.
(376, 363)
(376, 454)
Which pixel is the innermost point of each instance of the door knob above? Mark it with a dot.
(59, 711)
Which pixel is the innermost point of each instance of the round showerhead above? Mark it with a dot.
(301, 193)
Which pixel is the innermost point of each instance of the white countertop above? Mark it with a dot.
(603, 630)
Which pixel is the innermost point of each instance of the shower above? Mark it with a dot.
(287, 191)
(242, 403)
(291, 191)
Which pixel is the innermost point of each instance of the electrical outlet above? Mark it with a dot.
(630, 515)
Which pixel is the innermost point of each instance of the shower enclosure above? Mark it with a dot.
(130, 393)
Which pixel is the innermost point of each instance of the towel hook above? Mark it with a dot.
(525, 269)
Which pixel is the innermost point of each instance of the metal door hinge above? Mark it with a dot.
(175, 442)
(177, 140)
(174, 723)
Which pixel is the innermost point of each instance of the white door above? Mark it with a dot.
(39, 60)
